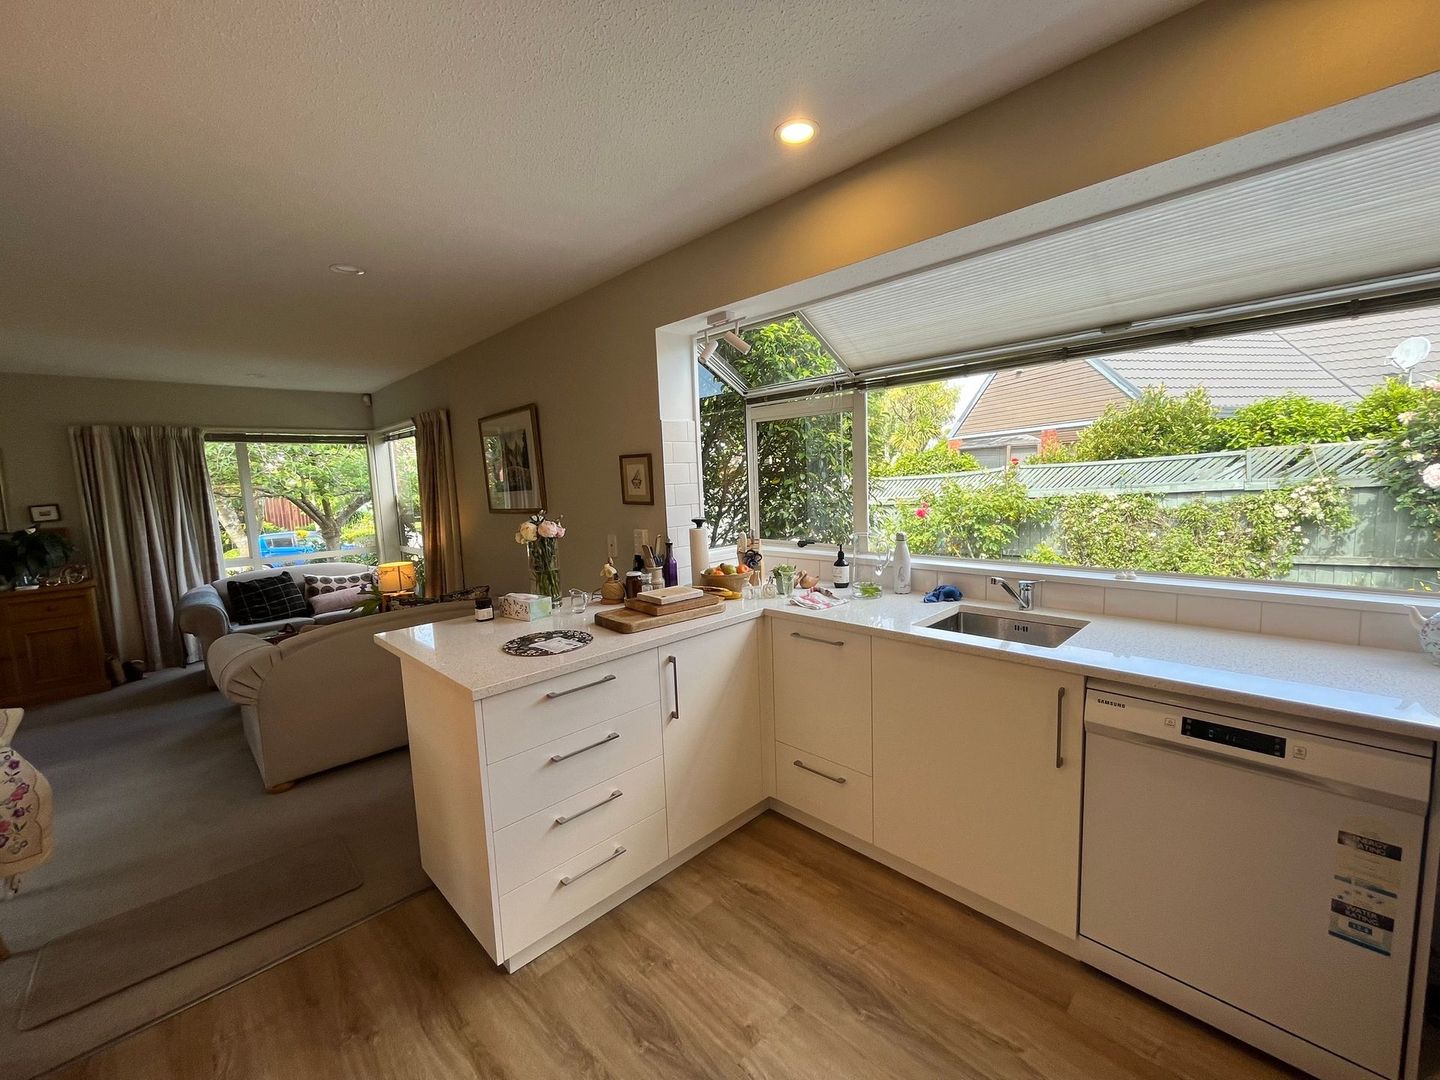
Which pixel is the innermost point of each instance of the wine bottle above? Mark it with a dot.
(842, 571)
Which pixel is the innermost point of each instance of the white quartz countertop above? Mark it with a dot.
(1377, 689)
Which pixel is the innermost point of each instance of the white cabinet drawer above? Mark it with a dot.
(524, 718)
(822, 690)
(539, 906)
(533, 779)
(534, 844)
(813, 784)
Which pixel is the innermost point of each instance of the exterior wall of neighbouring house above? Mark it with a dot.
(1031, 399)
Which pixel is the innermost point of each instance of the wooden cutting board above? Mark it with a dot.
(636, 604)
(629, 621)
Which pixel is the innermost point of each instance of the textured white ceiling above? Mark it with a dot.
(176, 177)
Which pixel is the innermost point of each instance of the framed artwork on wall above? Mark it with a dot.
(514, 473)
(637, 480)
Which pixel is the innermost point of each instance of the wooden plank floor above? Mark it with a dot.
(776, 953)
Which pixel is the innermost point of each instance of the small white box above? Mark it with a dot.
(526, 607)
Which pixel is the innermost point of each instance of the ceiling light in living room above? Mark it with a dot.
(796, 131)
(346, 268)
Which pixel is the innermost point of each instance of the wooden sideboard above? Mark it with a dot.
(50, 645)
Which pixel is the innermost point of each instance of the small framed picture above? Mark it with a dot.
(514, 473)
(45, 512)
(637, 480)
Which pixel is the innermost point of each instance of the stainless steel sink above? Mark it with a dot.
(1030, 629)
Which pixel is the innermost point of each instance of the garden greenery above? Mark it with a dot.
(1408, 462)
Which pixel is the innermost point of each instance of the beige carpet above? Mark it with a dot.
(155, 793)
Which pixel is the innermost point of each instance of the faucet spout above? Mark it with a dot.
(1023, 592)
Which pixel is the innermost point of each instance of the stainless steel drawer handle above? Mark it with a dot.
(1060, 728)
(553, 694)
(675, 682)
(570, 879)
(833, 779)
(817, 640)
(580, 750)
(563, 818)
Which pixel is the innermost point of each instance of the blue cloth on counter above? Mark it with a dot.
(942, 594)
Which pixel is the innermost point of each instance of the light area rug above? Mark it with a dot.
(155, 793)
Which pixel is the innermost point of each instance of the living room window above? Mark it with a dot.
(399, 478)
(284, 499)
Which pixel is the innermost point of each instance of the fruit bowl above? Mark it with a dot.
(733, 582)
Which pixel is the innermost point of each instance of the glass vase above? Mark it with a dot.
(544, 570)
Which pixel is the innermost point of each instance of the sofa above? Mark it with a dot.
(205, 612)
(325, 697)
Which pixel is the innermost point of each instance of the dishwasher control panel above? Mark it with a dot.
(1258, 742)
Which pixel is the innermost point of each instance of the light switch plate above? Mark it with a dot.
(612, 547)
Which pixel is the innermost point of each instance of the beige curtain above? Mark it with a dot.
(439, 504)
(153, 533)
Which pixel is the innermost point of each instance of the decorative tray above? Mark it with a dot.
(547, 643)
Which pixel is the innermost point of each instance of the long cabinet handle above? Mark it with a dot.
(563, 818)
(570, 879)
(553, 694)
(580, 750)
(817, 640)
(675, 684)
(808, 768)
(1060, 728)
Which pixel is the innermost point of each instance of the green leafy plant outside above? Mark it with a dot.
(1408, 462)
(935, 460)
(1152, 425)
(1284, 421)
(975, 523)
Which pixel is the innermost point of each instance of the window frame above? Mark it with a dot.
(241, 441)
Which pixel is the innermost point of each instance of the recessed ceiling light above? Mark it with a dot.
(346, 268)
(796, 131)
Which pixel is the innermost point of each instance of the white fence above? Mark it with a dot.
(1227, 470)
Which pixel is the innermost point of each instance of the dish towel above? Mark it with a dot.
(942, 594)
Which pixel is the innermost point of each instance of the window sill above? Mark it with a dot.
(1210, 588)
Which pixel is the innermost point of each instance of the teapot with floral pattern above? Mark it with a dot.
(1429, 631)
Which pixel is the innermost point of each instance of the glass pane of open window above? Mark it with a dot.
(805, 476)
(405, 476)
(223, 465)
(783, 350)
(724, 462)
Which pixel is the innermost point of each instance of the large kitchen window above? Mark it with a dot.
(283, 499)
(1304, 452)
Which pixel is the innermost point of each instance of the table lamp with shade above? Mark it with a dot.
(396, 577)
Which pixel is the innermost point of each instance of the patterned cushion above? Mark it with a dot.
(327, 600)
(316, 583)
(266, 599)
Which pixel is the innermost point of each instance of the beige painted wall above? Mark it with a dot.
(1220, 70)
(36, 412)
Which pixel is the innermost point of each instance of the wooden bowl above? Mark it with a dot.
(733, 582)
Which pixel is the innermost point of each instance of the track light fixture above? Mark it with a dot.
(707, 350)
(736, 342)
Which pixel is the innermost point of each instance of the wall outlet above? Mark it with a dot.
(612, 548)
(642, 538)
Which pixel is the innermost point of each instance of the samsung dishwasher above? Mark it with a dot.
(1258, 871)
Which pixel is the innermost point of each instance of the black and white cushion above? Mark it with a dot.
(266, 599)
(315, 584)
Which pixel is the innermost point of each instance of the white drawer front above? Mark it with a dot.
(545, 903)
(534, 844)
(822, 690)
(847, 805)
(533, 779)
(524, 718)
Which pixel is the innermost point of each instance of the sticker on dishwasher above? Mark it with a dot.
(1367, 887)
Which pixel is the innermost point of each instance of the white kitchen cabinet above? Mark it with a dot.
(710, 699)
(822, 690)
(977, 769)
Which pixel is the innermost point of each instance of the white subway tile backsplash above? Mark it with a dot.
(1140, 604)
(680, 472)
(1380, 630)
(677, 430)
(681, 451)
(1219, 612)
(687, 493)
(971, 586)
(1310, 621)
(1068, 596)
(923, 581)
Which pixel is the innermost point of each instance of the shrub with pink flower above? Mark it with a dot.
(1408, 462)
